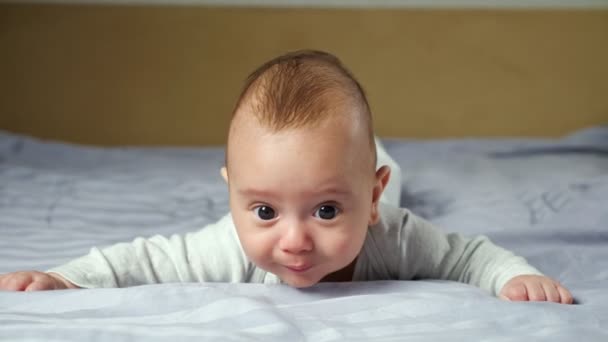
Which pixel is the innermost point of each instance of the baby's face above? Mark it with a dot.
(301, 199)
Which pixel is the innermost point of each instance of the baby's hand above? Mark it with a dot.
(535, 288)
(33, 281)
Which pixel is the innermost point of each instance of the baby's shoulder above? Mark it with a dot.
(392, 216)
(398, 222)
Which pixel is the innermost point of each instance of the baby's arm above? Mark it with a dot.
(208, 255)
(211, 254)
(476, 261)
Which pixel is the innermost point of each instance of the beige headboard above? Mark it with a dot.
(169, 74)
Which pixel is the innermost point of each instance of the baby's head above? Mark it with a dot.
(301, 168)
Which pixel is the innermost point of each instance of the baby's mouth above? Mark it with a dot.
(301, 268)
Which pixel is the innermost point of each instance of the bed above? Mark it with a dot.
(546, 199)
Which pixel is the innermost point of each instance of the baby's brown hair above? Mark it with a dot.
(302, 89)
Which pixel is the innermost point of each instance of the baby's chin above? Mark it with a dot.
(299, 283)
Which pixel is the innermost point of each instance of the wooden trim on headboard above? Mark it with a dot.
(114, 75)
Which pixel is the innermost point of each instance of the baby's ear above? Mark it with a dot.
(224, 174)
(382, 176)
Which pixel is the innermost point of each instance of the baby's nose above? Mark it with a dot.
(296, 240)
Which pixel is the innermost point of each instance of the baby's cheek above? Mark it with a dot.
(355, 238)
(257, 247)
(344, 246)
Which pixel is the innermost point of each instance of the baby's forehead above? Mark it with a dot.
(342, 136)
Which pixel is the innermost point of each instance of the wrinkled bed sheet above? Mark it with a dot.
(545, 199)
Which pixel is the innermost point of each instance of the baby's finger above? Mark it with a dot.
(515, 292)
(551, 293)
(565, 295)
(40, 285)
(536, 293)
(3, 280)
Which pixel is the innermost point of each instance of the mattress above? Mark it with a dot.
(545, 199)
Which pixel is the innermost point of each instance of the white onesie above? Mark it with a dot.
(401, 246)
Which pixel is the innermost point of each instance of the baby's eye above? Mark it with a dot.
(326, 212)
(264, 212)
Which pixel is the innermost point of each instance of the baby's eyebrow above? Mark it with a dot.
(256, 193)
(333, 191)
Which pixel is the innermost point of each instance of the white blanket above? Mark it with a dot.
(545, 199)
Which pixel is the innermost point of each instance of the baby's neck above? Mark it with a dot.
(342, 275)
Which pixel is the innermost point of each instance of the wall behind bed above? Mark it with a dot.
(114, 74)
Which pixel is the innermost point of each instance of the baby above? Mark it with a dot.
(305, 206)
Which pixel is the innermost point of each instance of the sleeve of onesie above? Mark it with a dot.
(428, 252)
(212, 254)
